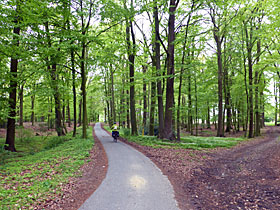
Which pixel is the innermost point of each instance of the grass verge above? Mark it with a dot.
(39, 171)
(187, 142)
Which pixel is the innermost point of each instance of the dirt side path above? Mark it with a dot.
(246, 177)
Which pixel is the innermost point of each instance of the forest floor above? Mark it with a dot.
(246, 176)
(75, 192)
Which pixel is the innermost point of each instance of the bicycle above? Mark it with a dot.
(115, 135)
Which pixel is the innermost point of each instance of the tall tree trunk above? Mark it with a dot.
(32, 109)
(152, 108)
(227, 93)
(11, 125)
(181, 78)
(131, 48)
(132, 87)
(190, 117)
(215, 120)
(251, 109)
(54, 85)
(208, 116)
(219, 37)
(196, 106)
(83, 88)
(114, 117)
(123, 109)
(276, 103)
(250, 67)
(80, 112)
(262, 108)
(220, 130)
(128, 110)
(58, 115)
(74, 92)
(21, 105)
(256, 83)
(245, 123)
(144, 97)
(85, 23)
(158, 68)
(168, 132)
(179, 101)
(108, 100)
(49, 116)
(68, 114)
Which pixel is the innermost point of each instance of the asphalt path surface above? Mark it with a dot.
(133, 181)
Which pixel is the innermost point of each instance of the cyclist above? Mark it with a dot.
(115, 132)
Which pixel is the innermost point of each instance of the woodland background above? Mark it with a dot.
(153, 66)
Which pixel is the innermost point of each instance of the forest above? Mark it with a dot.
(156, 67)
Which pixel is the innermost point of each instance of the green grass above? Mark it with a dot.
(190, 142)
(270, 123)
(187, 142)
(41, 168)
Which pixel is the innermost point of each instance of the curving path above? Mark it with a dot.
(133, 182)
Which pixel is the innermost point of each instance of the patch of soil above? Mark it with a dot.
(39, 128)
(246, 176)
(78, 190)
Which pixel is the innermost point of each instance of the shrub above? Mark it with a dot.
(55, 141)
(3, 154)
(43, 127)
(24, 134)
(125, 131)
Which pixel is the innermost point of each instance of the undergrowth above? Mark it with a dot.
(40, 168)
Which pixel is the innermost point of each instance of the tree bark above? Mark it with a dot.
(21, 105)
(168, 132)
(11, 125)
(152, 108)
(190, 117)
(181, 77)
(218, 37)
(158, 68)
(208, 116)
(32, 109)
(256, 83)
(276, 104)
(250, 67)
(83, 88)
(131, 48)
(220, 130)
(68, 114)
(58, 115)
(54, 85)
(114, 116)
(144, 97)
(227, 93)
(80, 112)
(74, 92)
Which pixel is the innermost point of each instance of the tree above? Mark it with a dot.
(131, 50)
(169, 105)
(10, 137)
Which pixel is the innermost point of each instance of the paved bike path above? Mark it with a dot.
(133, 182)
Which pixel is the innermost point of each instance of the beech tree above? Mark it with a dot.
(10, 137)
